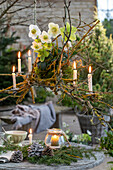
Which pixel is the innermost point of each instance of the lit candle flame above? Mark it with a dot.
(55, 136)
(13, 69)
(29, 52)
(74, 65)
(90, 69)
(30, 131)
(19, 54)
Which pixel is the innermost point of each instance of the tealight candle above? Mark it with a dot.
(55, 140)
(19, 62)
(74, 72)
(14, 77)
(30, 136)
(29, 61)
(90, 79)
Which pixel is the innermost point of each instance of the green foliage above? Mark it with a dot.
(108, 24)
(43, 53)
(107, 143)
(69, 135)
(9, 147)
(82, 138)
(73, 31)
(24, 151)
(99, 54)
(67, 131)
(100, 50)
(47, 68)
(8, 57)
(63, 156)
(42, 95)
(111, 162)
(67, 101)
(111, 122)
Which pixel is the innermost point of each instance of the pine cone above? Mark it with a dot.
(35, 150)
(48, 151)
(17, 156)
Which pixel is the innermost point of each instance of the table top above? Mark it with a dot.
(79, 165)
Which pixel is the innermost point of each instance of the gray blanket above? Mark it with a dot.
(44, 115)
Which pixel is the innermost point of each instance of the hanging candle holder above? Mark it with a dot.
(55, 138)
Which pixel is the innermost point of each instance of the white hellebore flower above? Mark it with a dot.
(36, 46)
(45, 37)
(68, 45)
(88, 132)
(75, 137)
(64, 124)
(34, 31)
(54, 30)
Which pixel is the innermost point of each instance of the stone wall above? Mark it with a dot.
(52, 11)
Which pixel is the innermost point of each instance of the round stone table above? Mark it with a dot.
(83, 164)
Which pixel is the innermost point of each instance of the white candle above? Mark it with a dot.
(55, 140)
(74, 72)
(14, 77)
(90, 79)
(29, 61)
(30, 136)
(19, 62)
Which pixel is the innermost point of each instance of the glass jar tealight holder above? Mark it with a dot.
(55, 138)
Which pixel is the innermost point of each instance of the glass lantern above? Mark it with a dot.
(55, 138)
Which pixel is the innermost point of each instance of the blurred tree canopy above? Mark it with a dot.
(108, 25)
